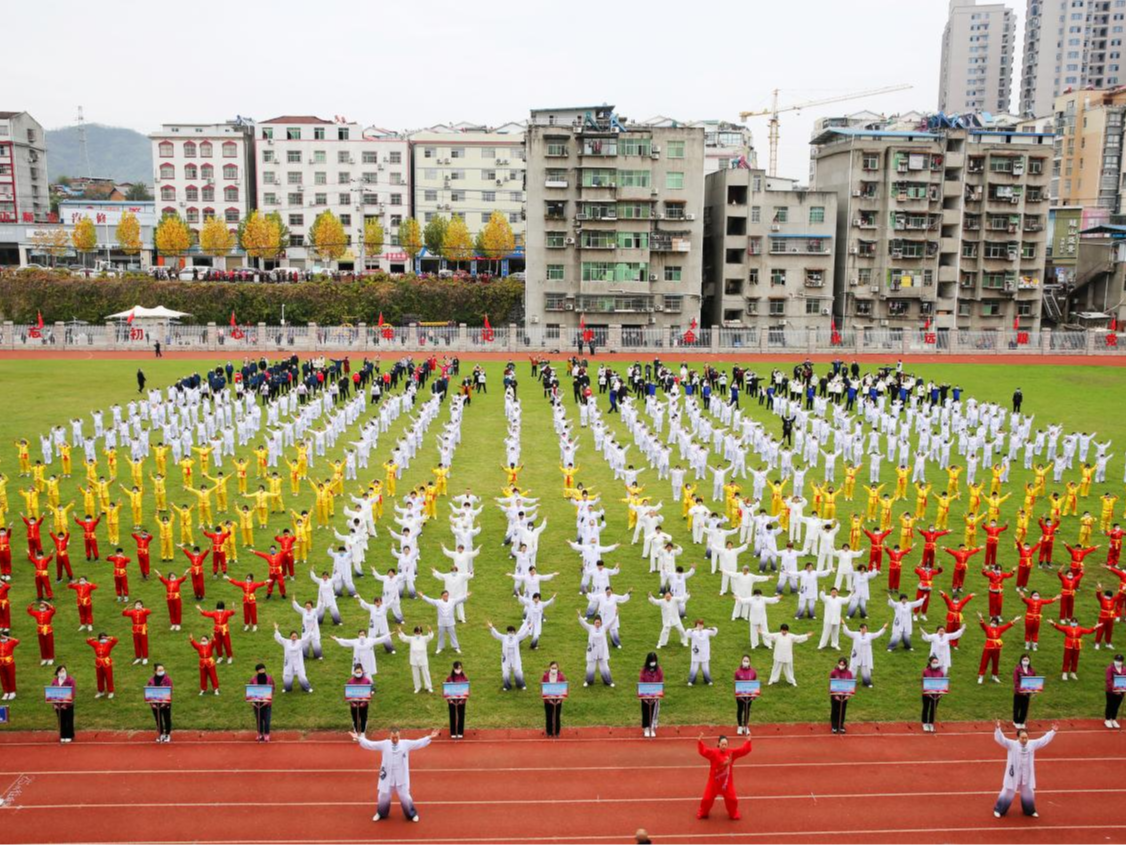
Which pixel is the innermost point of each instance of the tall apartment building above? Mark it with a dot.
(23, 169)
(725, 144)
(308, 165)
(1069, 44)
(768, 251)
(204, 170)
(615, 220)
(1087, 165)
(470, 171)
(977, 58)
(946, 224)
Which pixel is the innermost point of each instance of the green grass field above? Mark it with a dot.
(43, 393)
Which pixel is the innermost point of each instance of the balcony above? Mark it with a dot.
(657, 243)
(555, 183)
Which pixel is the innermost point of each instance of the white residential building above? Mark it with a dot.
(308, 165)
(978, 45)
(23, 169)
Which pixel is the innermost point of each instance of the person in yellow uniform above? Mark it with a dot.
(294, 477)
(731, 503)
(242, 466)
(1055, 507)
(1106, 515)
(39, 475)
(160, 455)
(160, 491)
(167, 546)
(23, 455)
(203, 503)
(873, 501)
(1022, 521)
(64, 449)
(31, 501)
(51, 488)
(922, 496)
(1071, 499)
(906, 529)
(186, 465)
(337, 485)
(274, 482)
(91, 472)
(569, 473)
(261, 504)
(829, 500)
(391, 469)
(246, 526)
(136, 503)
(441, 478)
(111, 463)
(901, 478)
(850, 471)
(973, 503)
(230, 545)
(855, 526)
(944, 500)
(886, 505)
(102, 486)
(89, 499)
(776, 488)
(185, 514)
(137, 472)
(113, 522)
(972, 521)
(303, 460)
(687, 499)
(3, 491)
(377, 500)
(1087, 476)
(994, 505)
(1041, 472)
(953, 476)
(204, 453)
(60, 517)
(261, 453)
(1030, 496)
(430, 500)
(996, 479)
(512, 473)
(1086, 528)
(220, 490)
(302, 530)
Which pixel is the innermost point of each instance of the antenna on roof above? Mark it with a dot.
(82, 141)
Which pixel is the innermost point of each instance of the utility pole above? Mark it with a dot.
(82, 141)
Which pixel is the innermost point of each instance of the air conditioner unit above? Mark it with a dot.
(874, 289)
(857, 193)
(270, 141)
(690, 216)
(897, 253)
(853, 250)
(658, 309)
(569, 241)
(500, 181)
(379, 167)
(857, 222)
(774, 227)
(883, 322)
(824, 312)
(568, 306)
(654, 153)
(183, 205)
(502, 161)
(652, 277)
(853, 282)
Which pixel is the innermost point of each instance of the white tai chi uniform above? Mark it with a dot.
(670, 618)
(294, 664)
(757, 610)
(701, 643)
(783, 643)
(395, 772)
(597, 654)
(511, 668)
(1020, 772)
(831, 627)
(861, 661)
(940, 646)
(419, 660)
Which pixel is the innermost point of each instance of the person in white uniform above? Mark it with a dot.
(394, 770)
(419, 659)
(861, 658)
(597, 651)
(447, 624)
(294, 664)
(833, 604)
(700, 641)
(759, 622)
(940, 645)
(783, 645)
(511, 667)
(670, 618)
(1020, 770)
(363, 649)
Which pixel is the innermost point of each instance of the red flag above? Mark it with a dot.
(39, 321)
(129, 319)
(234, 322)
(1016, 324)
(487, 333)
(1114, 324)
(487, 326)
(927, 324)
(690, 335)
(380, 323)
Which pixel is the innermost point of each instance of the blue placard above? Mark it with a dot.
(936, 686)
(648, 690)
(259, 693)
(358, 692)
(1031, 683)
(556, 690)
(842, 686)
(459, 690)
(58, 695)
(748, 689)
(1119, 683)
(4, 715)
(158, 695)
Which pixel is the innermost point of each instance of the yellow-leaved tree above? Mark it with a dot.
(260, 236)
(215, 239)
(497, 237)
(51, 242)
(173, 237)
(458, 243)
(373, 239)
(84, 237)
(410, 238)
(327, 237)
(128, 233)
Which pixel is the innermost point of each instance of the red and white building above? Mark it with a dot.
(24, 196)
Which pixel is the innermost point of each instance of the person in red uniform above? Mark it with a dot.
(7, 664)
(207, 672)
(195, 569)
(221, 630)
(120, 575)
(103, 662)
(1069, 583)
(62, 556)
(249, 600)
(1073, 636)
(89, 538)
(5, 554)
(993, 533)
(1119, 602)
(926, 585)
(34, 535)
(895, 566)
(1048, 531)
(1077, 555)
(721, 777)
(996, 578)
(1106, 601)
(274, 560)
(5, 606)
(876, 552)
(1024, 564)
(218, 557)
(991, 651)
(43, 613)
(954, 608)
(1034, 605)
(42, 566)
(930, 543)
(961, 557)
(139, 616)
(82, 598)
(172, 588)
(144, 540)
(1114, 545)
(286, 542)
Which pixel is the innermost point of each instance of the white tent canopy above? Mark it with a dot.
(140, 313)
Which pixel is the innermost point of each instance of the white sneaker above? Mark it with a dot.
(110, 695)
(981, 679)
(201, 692)
(1074, 677)
(1115, 723)
(1063, 677)
(645, 732)
(376, 817)
(1108, 724)
(415, 817)
(996, 815)
(230, 660)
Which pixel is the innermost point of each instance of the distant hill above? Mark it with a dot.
(124, 155)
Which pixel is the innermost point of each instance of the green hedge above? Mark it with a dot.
(61, 297)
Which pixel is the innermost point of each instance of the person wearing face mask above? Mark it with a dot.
(838, 704)
(597, 651)
(294, 661)
(7, 665)
(1021, 698)
(161, 711)
(394, 770)
(359, 708)
(1020, 770)
(651, 673)
(65, 710)
(933, 669)
(700, 642)
(1073, 635)
(263, 711)
(457, 705)
(745, 672)
(553, 707)
(721, 780)
(1113, 696)
(103, 662)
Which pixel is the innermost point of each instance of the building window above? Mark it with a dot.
(207, 172)
(627, 178)
(191, 172)
(674, 181)
(555, 240)
(294, 199)
(293, 177)
(231, 215)
(675, 149)
(777, 308)
(168, 193)
(269, 199)
(205, 149)
(319, 157)
(395, 158)
(230, 193)
(320, 199)
(756, 214)
(320, 178)
(230, 171)
(489, 196)
(871, 161)
(230, 149)
(192, 215)
(781, 214)
(189, 149)
(777, 276)
(293, 156)
(368, 157)
(191, 193)
(166, 150)
(555, 149)
(167, 171)
(555, 272)
(673, 274)
(812, 306)
(513, 217)
(430, 196)
(817, 214)
(344, 199)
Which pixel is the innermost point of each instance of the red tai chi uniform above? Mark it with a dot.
(1047, 540)
(930, 541)
(1077, 555)
(1114, 545)
(992, 539)
(42, 576)
(721, 778)
(144, 540)
(895, 567)
(1069, 583)
(954, 608)
(1024, 565)
(195, 570)
(5, 606)
(34, 538)
(206, 665)
(221, 632)
(249, 600)
(218, 556)
(996, 589)
(6, 554)
(62, 555)
(84, 601)
(1119, 600)
(991, 651)
(89, 538)
(120, 575)
(1032, 618)
(103, 662)
(277, 573)
(172, 596)
(926, 584)
(876, 552)
(286, 543)
(46, 631)
(8, 665)
(1105, 634)
(140, 620)
(961, 557)
(1072, 644)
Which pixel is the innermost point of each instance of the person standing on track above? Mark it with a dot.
(162, 711)
(394, 770)
(1020, 770)
(721, 779)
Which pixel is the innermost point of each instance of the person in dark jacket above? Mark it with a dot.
(161, 711)
(651, 673)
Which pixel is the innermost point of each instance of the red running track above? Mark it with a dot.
(885, 783)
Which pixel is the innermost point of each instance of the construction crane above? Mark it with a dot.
(774, 111)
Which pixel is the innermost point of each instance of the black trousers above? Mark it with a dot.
(262, 715)
(837, 709)
(553, 717)
(359, 717)
(457, 718)
(66, 722)
(930, 709)
(1020, 708)
(1113, 702)
(649, 712)
(163, 716)
(743, 711)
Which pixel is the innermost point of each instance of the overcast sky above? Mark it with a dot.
(413, 63)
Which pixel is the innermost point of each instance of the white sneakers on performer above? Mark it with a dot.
(376, 817)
